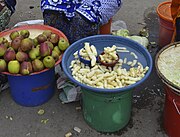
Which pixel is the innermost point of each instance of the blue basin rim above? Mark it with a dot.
(101, 41)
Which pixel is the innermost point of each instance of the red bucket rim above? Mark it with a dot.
(163, 78)
(163, 12)
(34, 26)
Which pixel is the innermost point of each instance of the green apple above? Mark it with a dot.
(26, 44)
(3, 40)
(41, 38)
(34, 53)
(26, 68)
(14, 66)
(21, 56)
(49, 44)
(13, 35)
(3, 49)
(3, 65)
(37, 51)
(35, 41)
(56, 48)
(54, 38)
(37, 65)
(49, 62)
(47, 33)
(55, 55)
(63, 44)
(25, 33)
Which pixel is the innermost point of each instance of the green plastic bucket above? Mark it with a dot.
(107, 112)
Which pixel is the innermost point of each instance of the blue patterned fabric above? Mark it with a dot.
(97, 11)
(11, 4)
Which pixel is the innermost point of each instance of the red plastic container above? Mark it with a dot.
(106, 28)
(166, 23)
(172, 112)
(112, 64)
(171, 115)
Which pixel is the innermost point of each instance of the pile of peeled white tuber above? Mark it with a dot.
(89, 53)
(100, 76)
(109, 55)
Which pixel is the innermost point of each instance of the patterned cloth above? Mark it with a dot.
(5, 14)
(11, 5)
(107, 8)
(97, 11)
(76, 28)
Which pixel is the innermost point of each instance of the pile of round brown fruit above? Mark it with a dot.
(24, 55)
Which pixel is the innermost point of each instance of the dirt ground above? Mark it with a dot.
(148, 98)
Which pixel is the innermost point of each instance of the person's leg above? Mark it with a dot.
(178, 29)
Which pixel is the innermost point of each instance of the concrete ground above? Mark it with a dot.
(148, 98)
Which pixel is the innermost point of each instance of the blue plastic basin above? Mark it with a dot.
(101, 41)
(32, 90)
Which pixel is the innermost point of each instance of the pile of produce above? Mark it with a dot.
(25, 55)
(169, 64)
(101, 76)
(125, 33)
(109, 55)
(88, 53)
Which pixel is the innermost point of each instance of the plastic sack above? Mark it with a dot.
(3, 82)
(29, 22)
(70, 91)
(118, 25)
